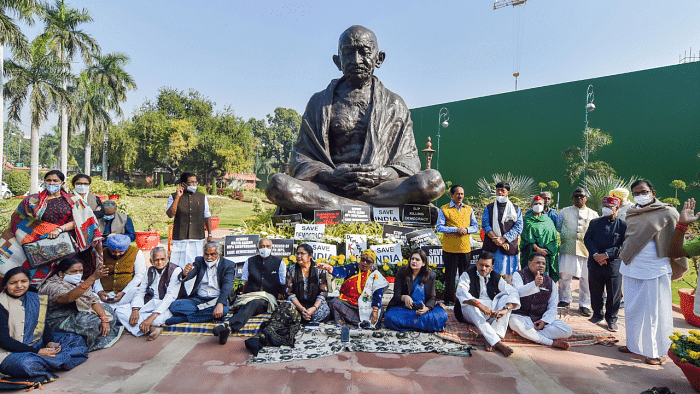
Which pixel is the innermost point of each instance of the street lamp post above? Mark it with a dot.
(589, 107)
(443, 118)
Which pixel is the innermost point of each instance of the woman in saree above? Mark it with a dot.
(46, 215)
(81, 188)
(74, 307)
(412, 308)
(360, 300)
(307, 288)
(28, 347)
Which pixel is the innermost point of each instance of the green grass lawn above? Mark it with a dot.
(689, 281)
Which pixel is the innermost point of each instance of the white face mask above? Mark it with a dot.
(501, 199)
(191, 189)
(211, 263)
(73, 279)
(82, 189)
(643, 199)
(537, 208)
(265, 252)
(607, 211)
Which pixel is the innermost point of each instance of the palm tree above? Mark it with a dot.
(39, 80)
(108, 71)
(90, 110)
(12, 36)
(49, 145)
(65, 40)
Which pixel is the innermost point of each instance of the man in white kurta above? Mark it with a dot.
(573, 256)
(487, 300)
(143, 317)
(184, 251)
(536, 318)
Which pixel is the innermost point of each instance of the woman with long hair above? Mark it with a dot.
(306, 287)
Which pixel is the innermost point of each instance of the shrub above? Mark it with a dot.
(521, 186)
(214, 191)
(202, 189)
(18, 181)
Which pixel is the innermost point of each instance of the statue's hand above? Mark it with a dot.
(370, 175)
(337, 178)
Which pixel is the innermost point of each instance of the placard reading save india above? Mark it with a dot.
(309, 231)
(386, 215)
(391, 252)
(323, 250)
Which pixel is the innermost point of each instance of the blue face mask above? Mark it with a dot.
(108, 217)
(53, 189)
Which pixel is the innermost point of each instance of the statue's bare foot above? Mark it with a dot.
(558, 343)
(506, 350)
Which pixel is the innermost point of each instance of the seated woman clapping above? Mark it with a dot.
(74, 307)
(413, 305)
(307, 288)
(28, 348)
(361, 294)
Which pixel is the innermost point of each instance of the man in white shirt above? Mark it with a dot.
(158, 289)
(536, 318)
(127, 268)
(487, 300)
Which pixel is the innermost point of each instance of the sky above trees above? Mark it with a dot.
(257, 56)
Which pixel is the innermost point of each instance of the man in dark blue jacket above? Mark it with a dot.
(212, 286)
(603, 240)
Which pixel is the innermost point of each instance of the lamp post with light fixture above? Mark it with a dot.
(443, 121)
(589, 107)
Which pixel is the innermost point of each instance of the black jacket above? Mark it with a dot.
(401, 289)
(226, 272)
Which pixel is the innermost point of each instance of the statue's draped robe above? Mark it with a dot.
(389, 141)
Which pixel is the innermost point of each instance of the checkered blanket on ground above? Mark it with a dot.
(251, 328)
(584, 332)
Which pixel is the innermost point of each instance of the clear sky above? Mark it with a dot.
(255, 56)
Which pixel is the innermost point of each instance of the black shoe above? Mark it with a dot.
(595, 319)
(585, 311)
(612, 327)
(222, 332)
(562, 304)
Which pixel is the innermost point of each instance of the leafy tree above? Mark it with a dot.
(542, 185)
(553, 184)
(12, 36)
(579, 156)
(678, 184)
(278, 137)
(41, 75)
(90, 110)
(521, 186)
(599, 186)
(673, 201)
(123, 148)
(66, 39)
(49, 149)
(16, 146)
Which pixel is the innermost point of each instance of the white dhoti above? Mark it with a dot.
(126, 299)
(123, 313)
(648, 315)
(524, 326)
(184, 252)
(495, 330)
(571, 266)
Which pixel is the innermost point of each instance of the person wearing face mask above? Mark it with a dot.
(625, 204)
(647, 273)
(548, 209)
(81, 188)
(486, 300)
(264, 275)
(603, 241)
(502, 222)
(127, 268)
(149, 308)
(74, 307)
(47, 215)
(190, 210)
(213, 281)
(114, 222)
(41, 353)
(573, 256)
(540, 235)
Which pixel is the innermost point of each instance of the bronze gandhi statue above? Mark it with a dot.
(356, 143)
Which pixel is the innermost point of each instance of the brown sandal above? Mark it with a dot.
(655, 361)
(624, 349)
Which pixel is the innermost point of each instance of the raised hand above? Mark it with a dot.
(187, 269)
(100, 272)
(539, 279)
(686, 215)
(325, 267)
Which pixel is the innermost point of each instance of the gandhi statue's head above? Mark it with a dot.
(358, 54)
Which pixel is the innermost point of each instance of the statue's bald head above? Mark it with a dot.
(356, 34)
(358, 54)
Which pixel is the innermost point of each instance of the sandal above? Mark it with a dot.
(655, 361)
(624, 349)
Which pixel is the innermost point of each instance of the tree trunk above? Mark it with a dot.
(2, 113)
(88, 153)
(105, 140)
(34, 161)
(64, 126)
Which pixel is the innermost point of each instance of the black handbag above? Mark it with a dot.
(46, 251)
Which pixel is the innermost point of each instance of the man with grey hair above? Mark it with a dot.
(573, 255)
(114, 222)
(213, 283)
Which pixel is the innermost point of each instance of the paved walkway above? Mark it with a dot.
(198, 364)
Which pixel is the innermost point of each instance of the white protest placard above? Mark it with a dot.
(309, 231)
(386, 215)
(355, 244)
(391, 252)
(322, 250)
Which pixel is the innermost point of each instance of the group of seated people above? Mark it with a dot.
(70, 316)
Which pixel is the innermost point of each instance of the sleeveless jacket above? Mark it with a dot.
(475, 283)
(121, 270)
(189, 216)
(263, 275)
(489, 246)
(535, 305)
(162, 284)
(453, 242)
